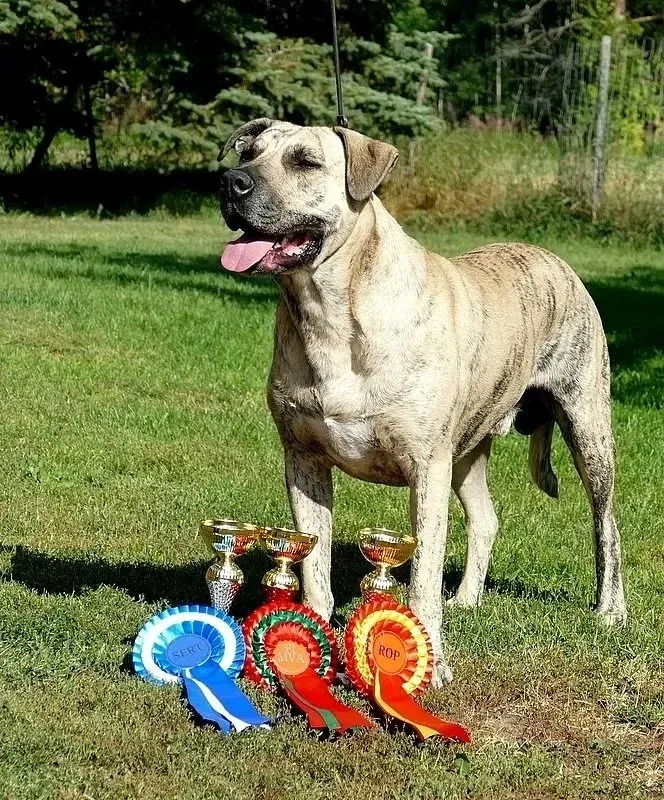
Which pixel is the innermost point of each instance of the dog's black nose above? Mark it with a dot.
(237, 183)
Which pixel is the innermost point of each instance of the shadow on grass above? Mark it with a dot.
(151, 583)
(175, 585)
(631, 309)
(147, 270)
(109, 192)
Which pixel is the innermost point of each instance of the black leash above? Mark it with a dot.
(341, 119)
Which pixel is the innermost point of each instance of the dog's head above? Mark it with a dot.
(296, 192)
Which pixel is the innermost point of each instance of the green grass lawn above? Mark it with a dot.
(132, 383)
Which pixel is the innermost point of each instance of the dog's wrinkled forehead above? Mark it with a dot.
(336, 155)
(266, 139)
(271, 139)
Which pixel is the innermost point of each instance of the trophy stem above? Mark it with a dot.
(284, 567)
(224, 580)
(281, 583)
(379, 583)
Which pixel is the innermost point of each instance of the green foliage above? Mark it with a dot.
(636, 77)
(169, 80)
(497, 181)
(40, 48)
(293, 79)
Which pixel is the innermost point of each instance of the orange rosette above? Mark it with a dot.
(389, 659)
(290, 638)
(291, 647)
(387, 635)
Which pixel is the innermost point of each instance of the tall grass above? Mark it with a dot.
(525, 183)
(463, 174)
(505, 182)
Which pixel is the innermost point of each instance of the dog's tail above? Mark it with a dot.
(539, 458)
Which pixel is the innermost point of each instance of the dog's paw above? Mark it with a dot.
(612, 618)
(442, 675)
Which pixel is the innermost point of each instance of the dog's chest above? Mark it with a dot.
(350, 439)
(354, 445)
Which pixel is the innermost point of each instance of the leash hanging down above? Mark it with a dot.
(341, 118)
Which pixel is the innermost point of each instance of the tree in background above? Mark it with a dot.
(172, 76)
(44, 62)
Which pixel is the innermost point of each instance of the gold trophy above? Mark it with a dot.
(286, 547)
(227, 539)
(384, 549)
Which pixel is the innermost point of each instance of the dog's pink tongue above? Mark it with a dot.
(243, 253)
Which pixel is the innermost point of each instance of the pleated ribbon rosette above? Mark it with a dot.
(389, 659)
(291, 647)
(203, 649)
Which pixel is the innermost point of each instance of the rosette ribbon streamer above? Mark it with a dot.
(290, 646)
(389, 659)
(203, 649)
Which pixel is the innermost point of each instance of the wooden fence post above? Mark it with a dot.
(419, 100)
(601, 127)
(499, 67)
(90, 126)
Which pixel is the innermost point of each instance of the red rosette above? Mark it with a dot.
(384, 633)
(290, 646)
(288, 638)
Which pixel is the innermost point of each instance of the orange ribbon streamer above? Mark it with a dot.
(393, 700)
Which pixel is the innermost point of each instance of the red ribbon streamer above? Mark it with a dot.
(291, 655)
(311, 694)
(393, 700)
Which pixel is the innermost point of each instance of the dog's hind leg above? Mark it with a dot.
(309, 486)
(584, 416)
(470, 484)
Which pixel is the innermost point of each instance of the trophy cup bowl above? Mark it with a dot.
(227, 539)
(286, 547)
(384, 549)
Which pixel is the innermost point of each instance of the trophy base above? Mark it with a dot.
(377, 585)
(277, 594)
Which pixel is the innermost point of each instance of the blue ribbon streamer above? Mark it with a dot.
(197, 701)
(215, 696)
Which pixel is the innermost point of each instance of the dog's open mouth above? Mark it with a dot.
(253, 251)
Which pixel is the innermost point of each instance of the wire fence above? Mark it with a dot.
(555, 90)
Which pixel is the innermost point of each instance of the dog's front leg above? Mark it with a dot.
(429, 499)
(309, 485)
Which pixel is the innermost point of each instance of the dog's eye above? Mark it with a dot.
(301, 158)
(246, 155)
(307, 163)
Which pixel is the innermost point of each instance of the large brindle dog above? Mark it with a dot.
(399, 366)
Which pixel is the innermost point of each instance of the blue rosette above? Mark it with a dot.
(203, 649)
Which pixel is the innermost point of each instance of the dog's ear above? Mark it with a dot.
(245, 135)
(368, 162)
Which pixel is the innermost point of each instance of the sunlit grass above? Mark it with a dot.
(132, 390)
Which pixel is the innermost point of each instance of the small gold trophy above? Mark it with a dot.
(384, 549)
(287, 548)
(227, 539)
